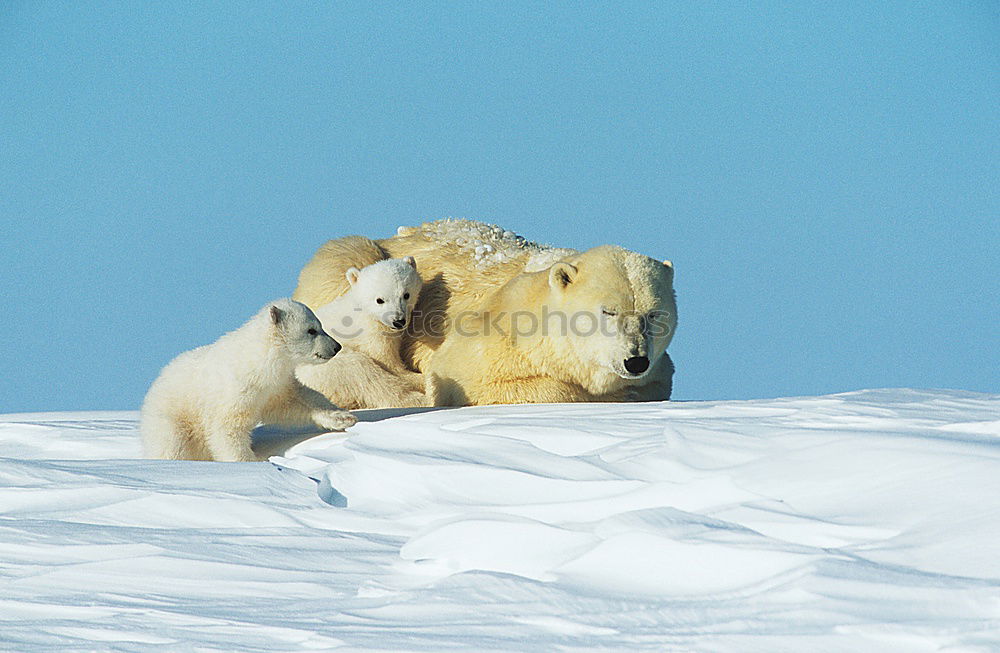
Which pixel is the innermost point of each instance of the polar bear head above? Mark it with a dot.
(618, 308)
(298, 333)
(386, 290)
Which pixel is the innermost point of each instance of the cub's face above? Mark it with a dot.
(387, 290)
(620, 307)
(301, 334)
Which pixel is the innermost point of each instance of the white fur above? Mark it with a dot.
(206, 402)
(369, 373)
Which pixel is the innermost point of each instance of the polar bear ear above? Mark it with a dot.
(410, 261)
(352, 275)
(561, 275)
(670, 268)
(276, 315)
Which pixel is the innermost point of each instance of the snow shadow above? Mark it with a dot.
(269, 440)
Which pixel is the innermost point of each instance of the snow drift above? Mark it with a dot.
(864, 521)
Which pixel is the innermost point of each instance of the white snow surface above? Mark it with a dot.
(864, 521)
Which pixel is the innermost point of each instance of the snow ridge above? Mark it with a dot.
(864, 521)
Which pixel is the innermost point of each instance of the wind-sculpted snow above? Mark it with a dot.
(864, 521)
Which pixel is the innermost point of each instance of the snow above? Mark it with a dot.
(864, 521)
(489, 244)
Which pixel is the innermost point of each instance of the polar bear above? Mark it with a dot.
(461, 261)
(206, 402)
(369, 321)
(592, 327)
(465, 265)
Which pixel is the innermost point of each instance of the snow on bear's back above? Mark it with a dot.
(489, 244)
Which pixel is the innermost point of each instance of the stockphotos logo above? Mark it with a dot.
(584, 324)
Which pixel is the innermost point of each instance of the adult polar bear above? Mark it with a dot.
(604, 317)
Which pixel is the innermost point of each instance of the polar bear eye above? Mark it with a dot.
(313, 332)
(379, 301)
(608, 312)
(406, 295)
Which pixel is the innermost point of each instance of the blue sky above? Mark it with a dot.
(824, 175)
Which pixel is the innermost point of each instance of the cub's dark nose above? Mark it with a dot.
(636, 364)
(336, 347)
(398, 324)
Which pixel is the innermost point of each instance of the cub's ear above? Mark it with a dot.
(670, 268)
(352, 275)
(410, 261)
(561, 275)
(277, 315)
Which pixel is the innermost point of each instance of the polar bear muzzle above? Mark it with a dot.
(636, 365)
(326, 347)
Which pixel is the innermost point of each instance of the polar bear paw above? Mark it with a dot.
(335, 420)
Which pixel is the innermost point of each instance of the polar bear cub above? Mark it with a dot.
(206, 402)
(370, 319)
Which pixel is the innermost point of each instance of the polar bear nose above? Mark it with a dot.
(637, 364)
(398, 324)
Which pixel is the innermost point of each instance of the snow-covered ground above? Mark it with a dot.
(866, 521)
